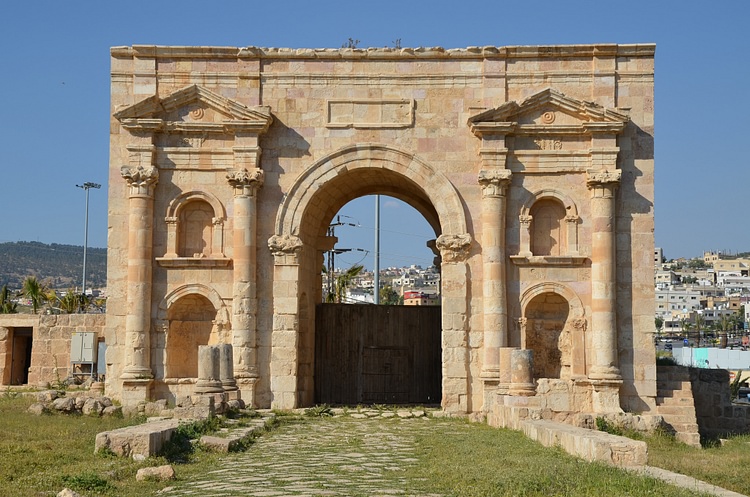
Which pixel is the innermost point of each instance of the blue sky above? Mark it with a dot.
(55, 97)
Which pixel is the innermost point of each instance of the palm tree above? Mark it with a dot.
(344, 280)
(71, 302)
(7, 306)
(35, 291)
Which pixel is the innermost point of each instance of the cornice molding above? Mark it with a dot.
(594, 117)
(472, 52)
(148, 114)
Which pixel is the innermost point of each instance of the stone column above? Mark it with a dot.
(454, 250)
(285, 339)
(522, 373)
(603, 184)
(494, 185)
(244, 290)
(226, 368)
(142, 181)
(525, 236)
(209, 372)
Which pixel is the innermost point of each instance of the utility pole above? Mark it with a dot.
(377, 250)
(331, 266)
(86, 186)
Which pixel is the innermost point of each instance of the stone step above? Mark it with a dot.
(684, 427)
(669, 410)
(672, 385)
(693, 439)
(674, 401)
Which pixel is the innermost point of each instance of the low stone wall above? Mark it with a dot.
(528, 414)
(50, 346)
(50, 352)
(716, 414)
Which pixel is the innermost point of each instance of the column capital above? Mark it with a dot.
(285, 248)
(141, 180)
(494, 182)
(598, 178)
(525, 220)
(454, 248)
(244, 182)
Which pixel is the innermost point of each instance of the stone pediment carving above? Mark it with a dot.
(194, 109)
(548, 112)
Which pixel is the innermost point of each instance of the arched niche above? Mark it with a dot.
(189, 316)
(195, 231)
(553, 324)
(549, 225)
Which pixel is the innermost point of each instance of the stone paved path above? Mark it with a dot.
(326, 458)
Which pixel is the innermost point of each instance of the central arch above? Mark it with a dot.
(299, 243)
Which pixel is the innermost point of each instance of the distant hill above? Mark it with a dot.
(59, 266)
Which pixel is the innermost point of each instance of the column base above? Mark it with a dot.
(607, 373)
(522, 389)
(247, 391)
(489, 391)
(605, 396)
(137, 373)
(208, 386)
(135, 391)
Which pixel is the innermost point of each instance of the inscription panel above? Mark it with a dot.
(365, 113)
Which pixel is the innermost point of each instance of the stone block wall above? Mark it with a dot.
(716, 414)
(50, 346)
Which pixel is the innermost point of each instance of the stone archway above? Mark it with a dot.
(298, 245)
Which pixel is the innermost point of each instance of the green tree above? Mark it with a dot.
(697, 264)
(389, 296)
(342, 282)
(72, 302)
(658, 323)
(35, 291)
(700, 325)
(6, 305)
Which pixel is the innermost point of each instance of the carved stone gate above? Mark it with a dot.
(367, 354)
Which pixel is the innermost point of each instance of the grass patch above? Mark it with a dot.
(464, 460)
(40, 455)
(725, 466)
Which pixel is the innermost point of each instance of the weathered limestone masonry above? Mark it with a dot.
(534, 166)
(35, 349)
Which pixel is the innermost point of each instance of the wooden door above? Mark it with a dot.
(368, 354)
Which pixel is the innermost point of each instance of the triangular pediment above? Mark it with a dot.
(193, 108)
(550, 108)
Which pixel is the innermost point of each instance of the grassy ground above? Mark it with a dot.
(725, 466)
(477, 460)
(41, 455)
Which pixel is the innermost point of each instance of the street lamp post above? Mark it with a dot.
(86, 186)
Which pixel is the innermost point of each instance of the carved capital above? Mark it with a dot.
(579, 324)
(454, 248)
(245, 182)
(525, 220)
(596, 178)
(494, 182)
(285, 245)
(141, 180)
(572, 219)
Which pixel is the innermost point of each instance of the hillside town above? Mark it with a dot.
(700, 299)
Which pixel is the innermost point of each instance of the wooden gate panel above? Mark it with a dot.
(377, 354)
